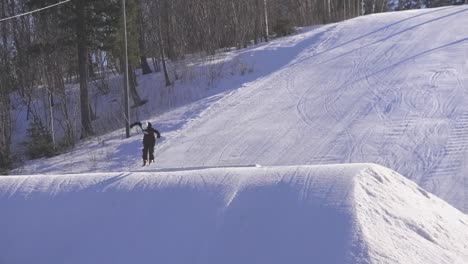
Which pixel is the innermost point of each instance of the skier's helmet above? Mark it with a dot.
(144, 125)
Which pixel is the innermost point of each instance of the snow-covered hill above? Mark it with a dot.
(359, 213)
(389, 89)
(386, 88)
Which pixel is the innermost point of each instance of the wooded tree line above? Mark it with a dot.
(81, 41)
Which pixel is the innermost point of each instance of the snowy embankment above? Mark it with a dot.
(388, 88)
(360, 213)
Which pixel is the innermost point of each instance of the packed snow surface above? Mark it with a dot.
(360, 213)
(390, 89)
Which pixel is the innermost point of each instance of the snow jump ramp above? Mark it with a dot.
(357, 213)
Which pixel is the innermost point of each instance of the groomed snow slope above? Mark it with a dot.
(389, 89)
(360, 213)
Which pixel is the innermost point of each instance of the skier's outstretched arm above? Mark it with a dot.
(135, 124)
(157, 133)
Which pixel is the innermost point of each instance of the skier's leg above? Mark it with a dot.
(151, 153)
(145, 153)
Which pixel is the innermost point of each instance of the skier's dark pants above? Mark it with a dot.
(148, 150)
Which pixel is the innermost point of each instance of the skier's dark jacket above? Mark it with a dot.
(148, 138)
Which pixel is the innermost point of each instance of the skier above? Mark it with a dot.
(149, 140)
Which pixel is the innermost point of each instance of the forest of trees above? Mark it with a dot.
(82, 40)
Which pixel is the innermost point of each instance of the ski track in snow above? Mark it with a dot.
(232, 182)
(348, 213)
(389, 89)
(392, 95)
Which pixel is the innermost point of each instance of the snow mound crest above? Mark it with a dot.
(357, 213)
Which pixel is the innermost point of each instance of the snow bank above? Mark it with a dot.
(402, 223)
(359, 213)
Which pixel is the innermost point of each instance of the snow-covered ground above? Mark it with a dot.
(359, 213)
(388, 89)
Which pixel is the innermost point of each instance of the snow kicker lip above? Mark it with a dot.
(293, 214)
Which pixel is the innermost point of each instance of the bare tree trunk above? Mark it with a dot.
(133, 87)
(257, 25)
(161, 52)
(145, 68)
(87, 129)
(66, 124)
(157, 67)
(141, 42)
(5, 119)
(265, 7)
(5, 131)
(91, 72)
(344, 9)
(51, 110)
(236, 25)
(382, 7)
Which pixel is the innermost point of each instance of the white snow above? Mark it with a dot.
(360, 213)
(389, 89)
